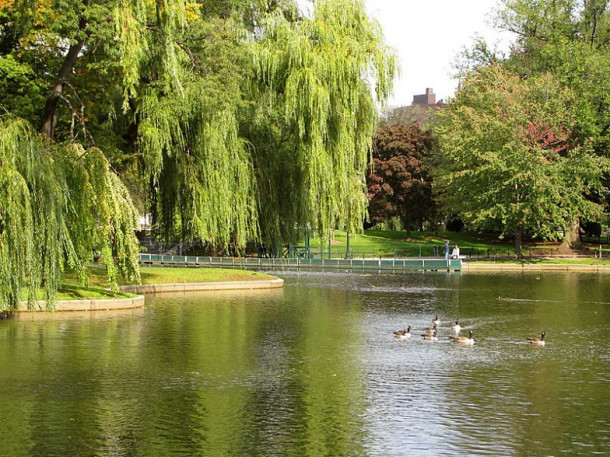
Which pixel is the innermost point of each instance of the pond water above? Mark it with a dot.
(314, 369)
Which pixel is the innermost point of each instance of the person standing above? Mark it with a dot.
(446, 250)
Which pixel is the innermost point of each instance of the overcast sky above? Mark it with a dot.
(427, 35)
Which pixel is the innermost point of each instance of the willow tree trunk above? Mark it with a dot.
(347, 247)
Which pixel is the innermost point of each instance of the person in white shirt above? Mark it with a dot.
(456, 252)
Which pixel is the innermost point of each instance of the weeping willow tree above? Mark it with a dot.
(249, 121)
(185, 96)
(263, 131)
(57, 204)
(318, 85)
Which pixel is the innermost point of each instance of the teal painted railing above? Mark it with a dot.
(420, 264)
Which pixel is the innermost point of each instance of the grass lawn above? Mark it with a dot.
(378, 243)
(74, 291)
(374, 243)
(71, 289)
(160, 275)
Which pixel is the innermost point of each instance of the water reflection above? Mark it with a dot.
(314, 369)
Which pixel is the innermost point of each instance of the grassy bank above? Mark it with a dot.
(385, 243)
(71, 289)
(75, 291)
(161, 275)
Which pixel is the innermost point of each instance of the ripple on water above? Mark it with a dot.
(316, 370)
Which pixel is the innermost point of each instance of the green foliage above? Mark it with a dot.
(188, 134)
(509, 156)
(313, 84)
(230, 151)
(568, 38)
(56, 205)
(238, 116)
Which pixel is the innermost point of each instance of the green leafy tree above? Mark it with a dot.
(509, 156)
(239, 117)
(57, 204)
(315, 116)
(569, 39)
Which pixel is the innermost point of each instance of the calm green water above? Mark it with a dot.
(314, 370)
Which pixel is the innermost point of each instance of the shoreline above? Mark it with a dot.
(583, 268)
(202, 286)
(109, 304)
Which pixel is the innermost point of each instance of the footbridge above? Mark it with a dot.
(245, 263)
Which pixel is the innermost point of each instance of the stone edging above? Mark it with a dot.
(96, 304)
(106, 304)
(202, 286)
(467, 266)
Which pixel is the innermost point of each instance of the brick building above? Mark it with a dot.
(427, 99)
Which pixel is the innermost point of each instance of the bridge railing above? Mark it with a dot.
(422, 264)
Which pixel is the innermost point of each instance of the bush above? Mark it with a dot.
(593, 229)
(455, 224)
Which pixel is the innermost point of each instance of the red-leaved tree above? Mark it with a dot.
(398, 182)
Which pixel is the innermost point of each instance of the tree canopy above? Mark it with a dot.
(569, 39)
(58, 203)
(399, 183)
(313, 81)
(229, 121)
(526, 138)
(510, 158)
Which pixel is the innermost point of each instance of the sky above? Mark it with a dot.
(427, 35)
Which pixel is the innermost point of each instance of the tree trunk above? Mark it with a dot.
(347, 256)
(49, 120)
(572, 239)
(518, 241)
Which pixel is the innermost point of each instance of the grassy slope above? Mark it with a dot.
(383, 243)
(71, 289)
(157, 275)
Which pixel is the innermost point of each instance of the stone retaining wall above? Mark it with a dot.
(473, 267)
(138, 302)
(102, 304)
(202, 286)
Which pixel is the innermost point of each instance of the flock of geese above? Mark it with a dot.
(431, 334)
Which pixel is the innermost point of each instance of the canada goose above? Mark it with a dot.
(402, 334)
(430, 337)
(430, 330)
(436, 320)
(457, 328)
(463, 339)
(537, 341)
